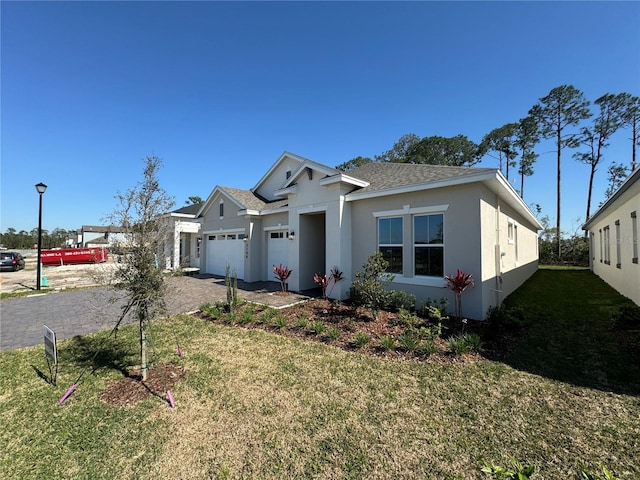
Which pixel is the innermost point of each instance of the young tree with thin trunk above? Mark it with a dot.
(564, 106)
(631, 119)
(501, 140)
(527, 137)
(139, 274)
(595, 137)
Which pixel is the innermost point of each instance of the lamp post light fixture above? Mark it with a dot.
(40, 187)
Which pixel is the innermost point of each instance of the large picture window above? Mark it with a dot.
(390, 242)
(428, 245)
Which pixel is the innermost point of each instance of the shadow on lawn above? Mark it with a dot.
(96, 352)
(571, 335)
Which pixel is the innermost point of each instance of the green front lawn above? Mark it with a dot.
(255, 404)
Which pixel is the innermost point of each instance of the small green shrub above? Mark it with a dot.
(458, 345)
(468, 342)
(409, 341)
(474, 342)
(361, 339)
(267, 315)
(516, 472)
(399, 299)
(214, 312)
(317, 327)
(407, 319)
(280, 322)
(302, 322)
(387, 342)
(434, 310)
(427, 348)
(333, 333)
(247, 315)
(606, 475)
(368, 289)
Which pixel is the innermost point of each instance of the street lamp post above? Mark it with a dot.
(40, 187)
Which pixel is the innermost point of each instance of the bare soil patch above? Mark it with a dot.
(131, 389)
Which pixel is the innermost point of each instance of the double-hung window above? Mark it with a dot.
(390, 242)
(428, 245)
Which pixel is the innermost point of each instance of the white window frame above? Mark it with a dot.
(511, 227)
(431, 245)
(392, 245)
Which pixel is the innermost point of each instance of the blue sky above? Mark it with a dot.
(219, 90)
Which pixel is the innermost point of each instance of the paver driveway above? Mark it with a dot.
(78, 312)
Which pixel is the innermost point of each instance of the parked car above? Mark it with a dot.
(11, 261)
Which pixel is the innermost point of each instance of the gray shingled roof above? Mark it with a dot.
(382, 175)
(189, 209)
(250, 200)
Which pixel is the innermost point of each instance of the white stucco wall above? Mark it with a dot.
(622, 274)
(212, 224)
(277, 177)
(319, 248)
(509, 249)
(470, 243)
(460, 206)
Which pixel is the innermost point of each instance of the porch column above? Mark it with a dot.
(338, 241)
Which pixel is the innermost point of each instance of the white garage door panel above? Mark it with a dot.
(277, 253)
(221, 253)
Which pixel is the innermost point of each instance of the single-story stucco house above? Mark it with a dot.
(613, 239)
(99, 236)
(181, 249)
(427, 220)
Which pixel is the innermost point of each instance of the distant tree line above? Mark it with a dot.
(21, 240)
(565, 116)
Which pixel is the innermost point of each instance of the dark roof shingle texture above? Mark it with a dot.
(383, 176)
(250, 200)
(189, 209)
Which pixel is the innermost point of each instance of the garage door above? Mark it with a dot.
(223, 250)
(277, 251)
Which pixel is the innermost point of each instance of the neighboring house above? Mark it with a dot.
(613, 239)
(100, 236)
(182, 243)
(427, 221)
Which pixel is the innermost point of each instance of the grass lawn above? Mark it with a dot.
(255, 404)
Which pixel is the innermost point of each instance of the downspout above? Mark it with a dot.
(498, 256)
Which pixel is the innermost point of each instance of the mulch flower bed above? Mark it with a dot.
(131, 389)
(351, 322)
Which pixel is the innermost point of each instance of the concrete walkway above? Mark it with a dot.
(77, 312)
